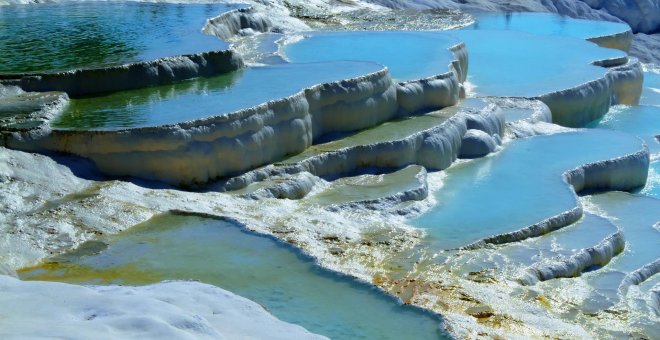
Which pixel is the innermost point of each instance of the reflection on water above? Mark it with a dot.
(217, 252)
(408, 55)
(517, 187)
(202, 97)
(62, 36)
(547, 24)
(509, 63)
(133, 108)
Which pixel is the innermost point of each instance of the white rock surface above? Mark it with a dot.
(476, 143)
(168, 310)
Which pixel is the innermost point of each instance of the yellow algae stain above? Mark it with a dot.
(80, 274)
(544, 301)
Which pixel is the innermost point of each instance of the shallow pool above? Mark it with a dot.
(547, 24)
(652, 187)
(518, 64)
(651, 92)
(202, 97)
(512, 259)
(286, 283)
(641, 120)
(408, 55)
(72, 35)
(638, 217)
(516, 187)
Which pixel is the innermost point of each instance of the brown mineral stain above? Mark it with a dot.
(70, 273)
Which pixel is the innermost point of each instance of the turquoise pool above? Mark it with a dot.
(641, 120)
(516, 187)
(202, 97)
(408, 55)
(71, 35)
(547, 24)
(286, 283)
(651, 92)
(518, 64)
(512, 259)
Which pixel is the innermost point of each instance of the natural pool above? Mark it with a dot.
(511, 260)
(530, 66)
(639, 218)
(651, 92)
(288, 284)
(516, 187)
(203, 97)
(547, 24)
(72, 35)
(639, 120)
(408, 55)
(643, 121)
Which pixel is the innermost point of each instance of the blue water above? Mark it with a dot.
(509, 63)
(68, 35)
(644, 121)
(408, 55)
(651, 92)
(203, 97)
(636, 216)
(517, 187)
(502, 63)
(547, 24)
(652, 187)
(587, 232)
(640, 120)
(286, 283)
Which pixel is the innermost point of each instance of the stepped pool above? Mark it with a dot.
(641, 120)
(651, 92)
(530, 66)
(290, 285)
(547, 24)
(511, 259)
(202, 97)
(72, 35)
(516, 187)
(638, 217)
(408, 55)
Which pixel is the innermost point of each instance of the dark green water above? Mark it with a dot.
(72, 35)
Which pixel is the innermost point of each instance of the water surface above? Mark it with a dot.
(202, 97)
(71, 35)
(408, 55)
(287, 284)
(547, 24)
(516, 187)
(519, 64)
(643, 121)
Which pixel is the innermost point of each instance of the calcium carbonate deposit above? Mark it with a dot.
(288, 169)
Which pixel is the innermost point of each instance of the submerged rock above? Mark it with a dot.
(476, 143)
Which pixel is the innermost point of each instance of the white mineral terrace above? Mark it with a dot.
(321, 169)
